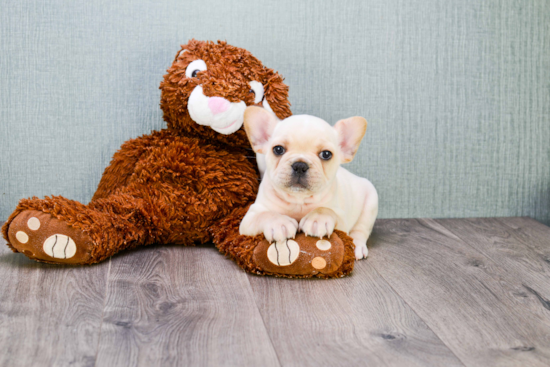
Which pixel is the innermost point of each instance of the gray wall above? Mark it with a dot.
(457, 93)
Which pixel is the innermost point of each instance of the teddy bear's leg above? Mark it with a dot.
(301, 257)
(58, 230)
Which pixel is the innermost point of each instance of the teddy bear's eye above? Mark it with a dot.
(325, 155)
(194, 68)
(258, 89)
(278, 150)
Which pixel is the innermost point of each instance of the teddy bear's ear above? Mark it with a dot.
(276, 95)
(259, 125)
(188, 47)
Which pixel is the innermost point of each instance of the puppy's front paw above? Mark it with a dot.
(361, 250)
(318, 223)
(279, 228)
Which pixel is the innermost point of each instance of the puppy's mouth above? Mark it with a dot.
(298, 184)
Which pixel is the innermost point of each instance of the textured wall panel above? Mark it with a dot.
(457, 93)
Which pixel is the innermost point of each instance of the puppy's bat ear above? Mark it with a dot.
(350, 132)
(259, 124)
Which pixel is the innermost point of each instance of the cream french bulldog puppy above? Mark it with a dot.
(304, 188)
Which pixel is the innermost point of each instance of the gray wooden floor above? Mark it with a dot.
(468, 292)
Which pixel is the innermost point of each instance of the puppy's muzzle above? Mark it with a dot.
(299, 168)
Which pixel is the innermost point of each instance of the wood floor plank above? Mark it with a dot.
(354, 321)
(431, 291)
(170, 305)
(520, 245)
(534, 234)
(50, 315)
(469, 301)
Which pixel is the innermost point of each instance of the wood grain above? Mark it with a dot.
(173, 305)
(469, 301)
(520, 245)
(532, 233)
(346, 322)
(50, 315)
(469, 292)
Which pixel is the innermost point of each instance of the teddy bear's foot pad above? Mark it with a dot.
(301, 256)
(43, 237)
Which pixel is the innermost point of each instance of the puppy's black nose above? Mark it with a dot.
(300, 168)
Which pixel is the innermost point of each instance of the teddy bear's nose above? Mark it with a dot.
(218, 105)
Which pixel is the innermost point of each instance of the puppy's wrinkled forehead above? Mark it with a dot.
(303, 132)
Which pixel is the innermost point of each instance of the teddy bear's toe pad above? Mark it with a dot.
(283, 253)
(301, 256)
(60, 246)
(43, 237)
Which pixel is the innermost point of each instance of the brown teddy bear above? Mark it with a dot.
(189, 183)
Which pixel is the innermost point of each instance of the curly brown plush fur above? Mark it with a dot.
(185, 184)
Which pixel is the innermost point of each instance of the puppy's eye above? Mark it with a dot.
(278, 150)
(194, 68)
(325, 155)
